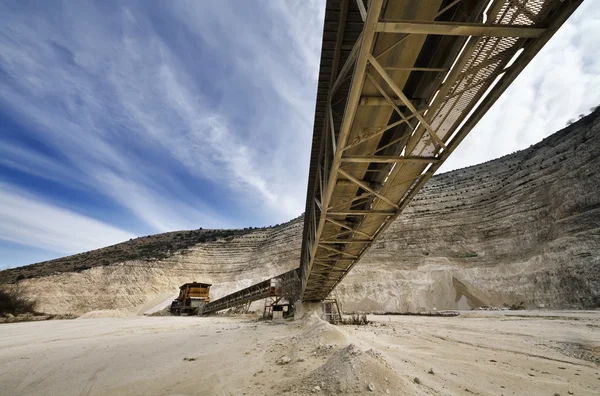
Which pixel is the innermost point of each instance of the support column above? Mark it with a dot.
(305, 308)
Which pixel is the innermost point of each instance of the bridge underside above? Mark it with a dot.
(402, 82)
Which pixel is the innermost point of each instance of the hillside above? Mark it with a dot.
(149, 248)
(522, 228)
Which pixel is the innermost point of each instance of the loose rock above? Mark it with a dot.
(283, 360)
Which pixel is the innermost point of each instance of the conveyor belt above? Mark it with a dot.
(286, 285)
(401, 83)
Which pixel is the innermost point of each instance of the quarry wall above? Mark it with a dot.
(522, 228)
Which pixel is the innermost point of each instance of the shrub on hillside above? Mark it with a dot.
(13, 301)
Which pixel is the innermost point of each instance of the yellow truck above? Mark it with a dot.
(192, 297)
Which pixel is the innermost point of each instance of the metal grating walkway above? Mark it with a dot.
(402, 82)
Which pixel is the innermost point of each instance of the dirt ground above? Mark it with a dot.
(476, 353)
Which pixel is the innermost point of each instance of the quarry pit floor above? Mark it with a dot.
(476, 353)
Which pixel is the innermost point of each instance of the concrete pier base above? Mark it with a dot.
(304, 308)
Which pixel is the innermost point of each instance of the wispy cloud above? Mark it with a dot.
(25, 218)
(159, 126)
(184, 115)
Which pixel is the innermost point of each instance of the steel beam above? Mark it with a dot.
(415, 152)
(362, 213)
(364, 186)
(460, 29)
(337, 223)
(376, 101)
(331, 128)
(443, 10)
(367, 41)
(390, 82)
(382, 159)
(390, 100)
(334, 241)
(347, 66)
(349, 201)
(362, 9)
(421, 69)
(337, 251)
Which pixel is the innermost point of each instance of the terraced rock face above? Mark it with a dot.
(229, 263)
(522, 228)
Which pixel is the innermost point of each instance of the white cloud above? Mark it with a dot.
(28, 220)
(123, 106)
(125, 110)
(34, 163)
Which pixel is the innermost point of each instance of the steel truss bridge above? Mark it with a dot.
(401, 83)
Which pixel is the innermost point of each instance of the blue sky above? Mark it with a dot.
(128, 118)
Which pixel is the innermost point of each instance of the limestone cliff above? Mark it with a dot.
(228, 260)
(522, 228)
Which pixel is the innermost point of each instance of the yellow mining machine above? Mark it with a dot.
(191, 299)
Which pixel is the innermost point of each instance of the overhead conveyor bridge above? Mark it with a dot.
(401, 83)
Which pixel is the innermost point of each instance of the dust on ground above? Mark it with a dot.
(480, 353)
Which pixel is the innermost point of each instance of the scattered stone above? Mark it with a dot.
(316, 389)
(187, 359)
(283, 360)
(351, 370)
(323, 349)
(431, 371)
(417, 380)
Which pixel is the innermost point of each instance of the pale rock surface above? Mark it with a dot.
(522, 228)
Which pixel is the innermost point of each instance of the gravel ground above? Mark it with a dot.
(482, 353)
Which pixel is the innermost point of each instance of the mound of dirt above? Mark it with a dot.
(107, 313)
(318, 331)
(351, 370)
(163, 312)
